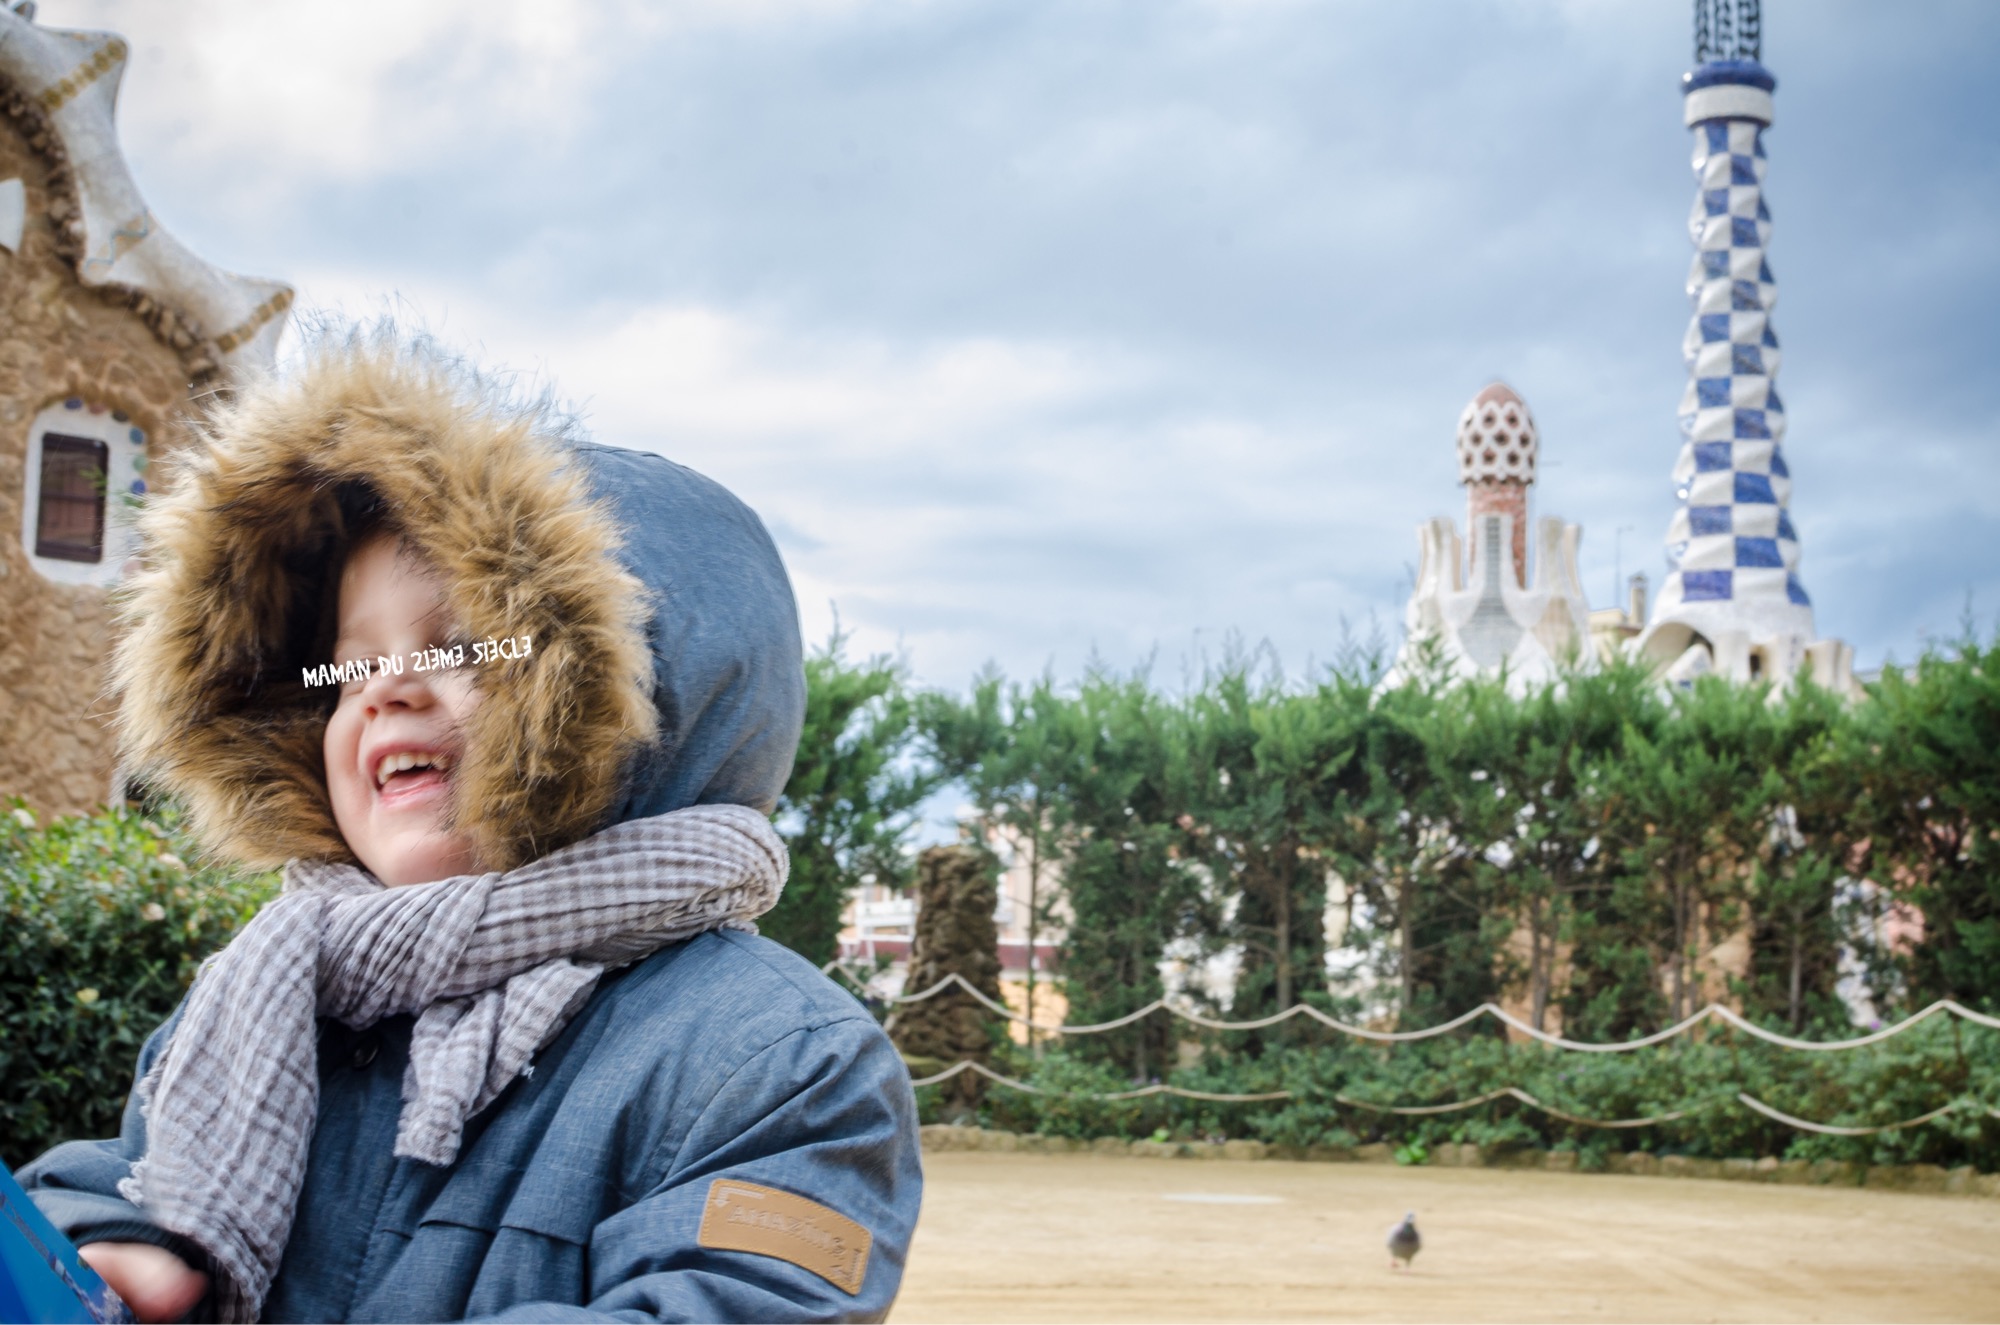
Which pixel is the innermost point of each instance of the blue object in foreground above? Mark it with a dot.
(42, 1279)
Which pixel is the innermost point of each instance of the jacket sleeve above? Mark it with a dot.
(824, 1114)
(76, 1183)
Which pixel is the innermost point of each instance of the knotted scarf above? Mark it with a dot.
(493, 966)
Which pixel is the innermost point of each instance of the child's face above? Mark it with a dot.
(392, 605)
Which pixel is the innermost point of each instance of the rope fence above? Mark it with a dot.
(1714, 1011)
(1456, 1106)
(1140, 1092)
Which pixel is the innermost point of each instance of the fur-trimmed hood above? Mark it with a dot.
(666, 667)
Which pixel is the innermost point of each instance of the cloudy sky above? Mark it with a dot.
(1045, 331)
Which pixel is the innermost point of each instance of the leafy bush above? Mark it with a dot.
(1066, 1110)
(1901, 1078)
(102, 926)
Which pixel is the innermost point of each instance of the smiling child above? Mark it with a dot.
(393, 736)
(506, 1045)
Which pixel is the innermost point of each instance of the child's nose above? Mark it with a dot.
(389, 689)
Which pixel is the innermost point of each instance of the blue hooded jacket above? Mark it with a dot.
(721, 1133)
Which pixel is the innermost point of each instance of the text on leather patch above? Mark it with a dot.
(743, 1216)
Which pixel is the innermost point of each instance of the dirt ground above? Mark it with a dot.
(1089, 1238)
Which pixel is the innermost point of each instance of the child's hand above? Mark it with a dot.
(154, 1282)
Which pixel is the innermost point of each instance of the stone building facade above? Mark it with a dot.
(109, 331)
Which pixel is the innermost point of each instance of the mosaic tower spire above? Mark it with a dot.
(1732, 600)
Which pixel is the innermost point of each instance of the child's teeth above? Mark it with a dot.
(408, 759)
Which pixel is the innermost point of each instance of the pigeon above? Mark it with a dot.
(1404, 1242)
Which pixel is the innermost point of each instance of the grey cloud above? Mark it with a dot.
(1331, 223)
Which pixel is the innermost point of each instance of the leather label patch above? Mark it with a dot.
(743, 1216)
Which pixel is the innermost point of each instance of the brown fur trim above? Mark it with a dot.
(241, 547)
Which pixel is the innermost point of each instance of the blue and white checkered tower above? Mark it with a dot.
(1732, 601)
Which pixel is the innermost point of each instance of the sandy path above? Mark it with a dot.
(1089, 1238)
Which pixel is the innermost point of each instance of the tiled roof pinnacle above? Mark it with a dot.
(67, 83)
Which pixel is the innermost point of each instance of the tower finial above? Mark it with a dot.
(1728, 30)
(1497, 442)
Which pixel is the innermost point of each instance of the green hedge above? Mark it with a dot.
(102, 925)
(1900, 1078)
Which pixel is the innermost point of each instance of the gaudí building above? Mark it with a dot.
(1481, 602)
(110, 331)
(1734, 601)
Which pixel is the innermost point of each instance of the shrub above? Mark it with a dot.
(1904, 1077)
(102, 926)
(1067, 1109)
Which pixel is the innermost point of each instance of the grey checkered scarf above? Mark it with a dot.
(494, 966)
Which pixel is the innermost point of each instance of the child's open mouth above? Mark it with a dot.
(410, 774)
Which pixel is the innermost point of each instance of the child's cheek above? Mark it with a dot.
(461, 694)
(341, 749)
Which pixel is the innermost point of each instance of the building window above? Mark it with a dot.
(69, 519)
(81, 484)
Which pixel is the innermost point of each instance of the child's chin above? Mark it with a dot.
(424, 860)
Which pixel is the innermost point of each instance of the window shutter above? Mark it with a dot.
(69, 521)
